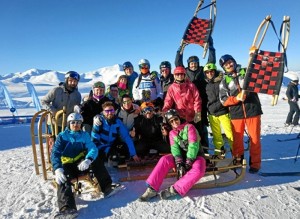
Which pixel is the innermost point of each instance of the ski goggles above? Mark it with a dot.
(147, 110)
(109, 111)
(144, 66)
(75, 122)
(176, 119)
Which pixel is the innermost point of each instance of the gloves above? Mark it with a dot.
(77, 109)
(188, 164)
(84, 165)
(180, 169)
(153, 75)
(97, 120)
(60, 177)
(294, 99)
(241, 97)
(197, 117)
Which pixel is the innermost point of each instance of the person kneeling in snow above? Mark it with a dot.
(73, 153)
(186, 157)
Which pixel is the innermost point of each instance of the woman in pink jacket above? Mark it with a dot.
(185, 156)
(185, 96)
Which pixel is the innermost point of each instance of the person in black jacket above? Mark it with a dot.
(93, 106)
(194, 73)
(218, 114)
(292, 95)
(147, 132)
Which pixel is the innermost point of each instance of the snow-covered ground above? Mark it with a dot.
(26, 195)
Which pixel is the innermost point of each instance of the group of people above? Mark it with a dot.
(144, 114)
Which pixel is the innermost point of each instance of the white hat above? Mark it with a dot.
(294, 77)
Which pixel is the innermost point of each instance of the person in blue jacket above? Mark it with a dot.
(72, 154)
(107, 128)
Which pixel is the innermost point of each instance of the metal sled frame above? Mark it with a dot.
(283, 42)
(213, 15)
(40, 136)
(218, 169)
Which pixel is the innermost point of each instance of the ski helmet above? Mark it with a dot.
(294, 77)
(225, 58)
(145, 105)
(179, 70)
(144, 62)
(127, 65)
(165, 64)
(72, 74)
(170, 114)
(193, 59)
(99, 84)
(209, 66)
(74, 117)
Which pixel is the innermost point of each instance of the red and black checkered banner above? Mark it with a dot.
(265, 72)
(198, 31)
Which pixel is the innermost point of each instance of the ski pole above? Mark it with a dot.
(297, 153)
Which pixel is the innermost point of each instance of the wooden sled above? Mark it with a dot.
(199, 30)
(235, 173)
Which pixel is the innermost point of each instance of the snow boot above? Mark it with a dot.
(112, 189)
(66, 213)
(168, 193)
(253, 170)
(149, 193)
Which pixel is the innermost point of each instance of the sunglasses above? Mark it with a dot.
(176, 119)
(109, 111)
(127, 101)
(75, 122)
(147, 110)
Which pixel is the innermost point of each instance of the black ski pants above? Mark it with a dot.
(65, 196)
(293, 115)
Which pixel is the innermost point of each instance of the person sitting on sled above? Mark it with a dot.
(185, 156)
(73, 154)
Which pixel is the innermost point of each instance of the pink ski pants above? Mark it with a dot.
(184, 184)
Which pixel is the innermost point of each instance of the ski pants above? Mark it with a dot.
(254, 127)
(184, 184)
(216, 125)
(294, 109)
(65, 196)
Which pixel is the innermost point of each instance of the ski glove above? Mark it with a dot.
(180, 169)
(294, 99)
(60, 177)
(84, 165)
(77, 109)
(197, 117)
(188, 164)
(97, 120)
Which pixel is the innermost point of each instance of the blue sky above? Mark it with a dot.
(84, 35)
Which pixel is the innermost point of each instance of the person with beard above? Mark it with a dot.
(194, 72)
(166, 78)
(128, 111)
(66, 95)
(185, 98)
(218, 114)
(245, 111)
(106, 130)
(147, 132)
(93, 106)
(146, 87)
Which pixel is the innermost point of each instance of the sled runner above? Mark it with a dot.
(265, 69)
(222, 172)
(199, 30)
